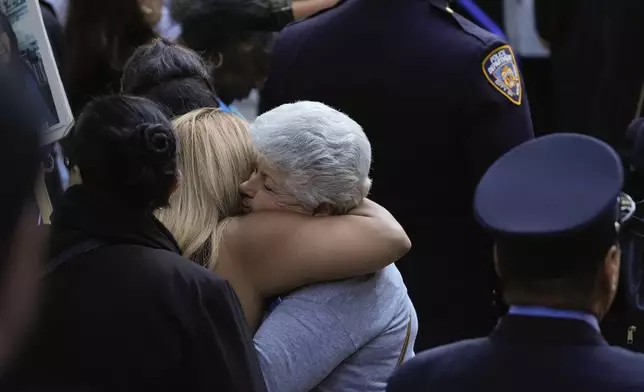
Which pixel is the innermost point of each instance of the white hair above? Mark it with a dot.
(323, 153)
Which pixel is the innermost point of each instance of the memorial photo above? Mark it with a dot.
(24, 46)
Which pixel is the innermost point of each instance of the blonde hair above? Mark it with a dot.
(216, 156)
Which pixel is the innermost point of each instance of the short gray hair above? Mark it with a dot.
(323, 153)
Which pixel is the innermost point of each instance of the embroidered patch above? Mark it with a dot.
(501, 70)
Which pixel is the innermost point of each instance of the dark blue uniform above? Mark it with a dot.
(440, 99)
(560, 190)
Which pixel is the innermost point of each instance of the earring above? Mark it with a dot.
(220, 60)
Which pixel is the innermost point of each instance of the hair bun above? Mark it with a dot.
(156, 141)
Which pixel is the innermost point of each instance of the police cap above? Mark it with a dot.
(556, 194)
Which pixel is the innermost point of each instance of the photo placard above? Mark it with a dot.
(26, 45)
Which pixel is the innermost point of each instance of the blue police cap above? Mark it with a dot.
(554, 185)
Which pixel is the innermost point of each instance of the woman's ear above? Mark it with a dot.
(216, 61)
(177, 182)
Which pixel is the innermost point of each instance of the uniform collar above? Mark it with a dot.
(540, 331)
(543, 311)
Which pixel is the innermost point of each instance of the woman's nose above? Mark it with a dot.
(246, 189)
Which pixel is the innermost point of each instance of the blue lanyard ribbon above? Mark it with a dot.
(481, 18)
(229, 109)
(222, 106)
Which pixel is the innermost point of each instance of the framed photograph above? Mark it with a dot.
(23, 41)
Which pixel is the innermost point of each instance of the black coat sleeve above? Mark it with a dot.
(225, 342)
(493, 123)
(407, 378)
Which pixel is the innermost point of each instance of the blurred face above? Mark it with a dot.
(20, 285)
(266, 190)
(5, 48)
(153, 11)
(242, 69)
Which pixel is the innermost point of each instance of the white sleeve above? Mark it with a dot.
(300, 344)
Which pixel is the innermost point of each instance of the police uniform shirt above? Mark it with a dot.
(440, 100)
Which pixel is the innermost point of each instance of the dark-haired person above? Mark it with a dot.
(21, 241)
(171, 75)
(231, 42)
(122, 310)
(266, 15)
(552, 205)
(100, 37)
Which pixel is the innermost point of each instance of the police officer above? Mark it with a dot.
(552, 204)
(440, 99)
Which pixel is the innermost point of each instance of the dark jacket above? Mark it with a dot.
(527, 354)
(411, 74)
(133, 315)
(598, 62)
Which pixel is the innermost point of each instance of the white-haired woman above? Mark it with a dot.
(264, 254)
(342, 336)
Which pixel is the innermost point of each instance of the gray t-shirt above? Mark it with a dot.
(342, 336)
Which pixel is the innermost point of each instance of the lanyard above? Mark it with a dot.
(229, 109)
(222, 106)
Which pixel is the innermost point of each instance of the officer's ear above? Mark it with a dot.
(611, 267)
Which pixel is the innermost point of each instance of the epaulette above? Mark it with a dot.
(482, 35)
(486, 38)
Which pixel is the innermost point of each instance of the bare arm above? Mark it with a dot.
(281, 251)
(304, 8)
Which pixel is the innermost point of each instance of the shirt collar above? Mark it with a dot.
(543, 311)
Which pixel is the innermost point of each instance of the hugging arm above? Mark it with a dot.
(281, 251)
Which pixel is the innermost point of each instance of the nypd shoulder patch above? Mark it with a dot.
(501, 70)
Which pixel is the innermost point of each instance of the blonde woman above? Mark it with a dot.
(267, 253)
